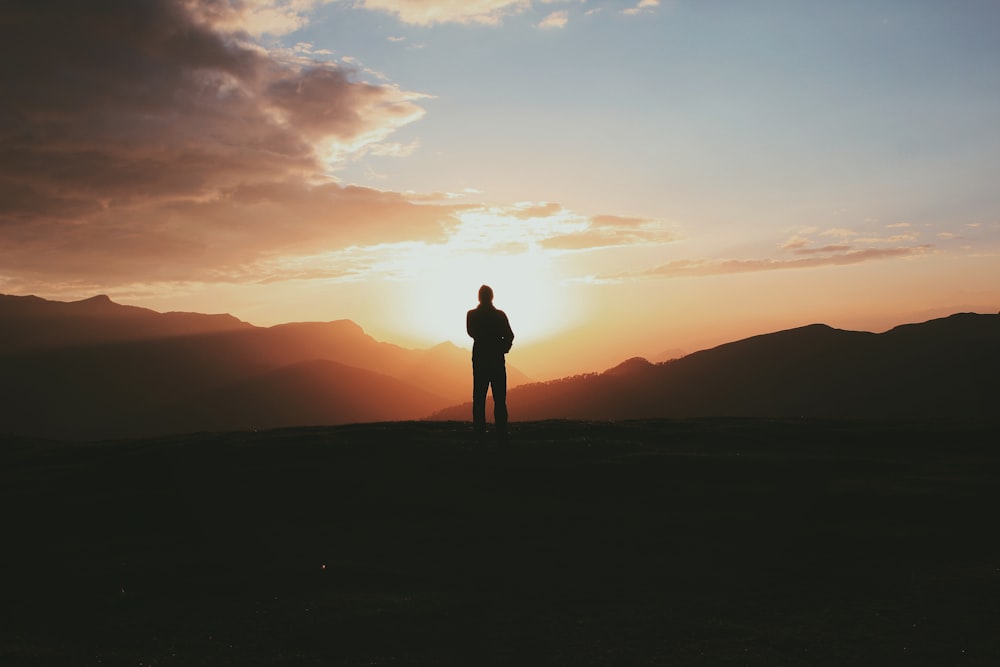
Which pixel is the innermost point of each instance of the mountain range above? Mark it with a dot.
(943, 369)
(96, 369)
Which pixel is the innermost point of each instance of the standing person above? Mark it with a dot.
(492, 336)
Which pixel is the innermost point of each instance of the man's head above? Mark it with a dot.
(485, 294)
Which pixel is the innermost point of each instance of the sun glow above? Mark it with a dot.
(524, 287)
(443, 281)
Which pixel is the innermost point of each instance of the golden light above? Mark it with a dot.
(443, 281)
(523, 285)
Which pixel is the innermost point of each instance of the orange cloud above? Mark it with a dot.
(822, 250)
(256, 17)
(683, 268)
(618, 221)
(220, 239)
(145, 141)
(603, 231)
(802, 245)
(428, 12)
(536, 211)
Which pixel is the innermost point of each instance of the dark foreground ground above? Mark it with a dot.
(712, 542)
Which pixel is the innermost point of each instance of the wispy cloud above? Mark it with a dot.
(555, 20)
(605, 231)
(528, 210)
(489, 12)
(840, 232)
(256, 17)
(705, 267)
(429, 12)
(804, 254)
(643, 6)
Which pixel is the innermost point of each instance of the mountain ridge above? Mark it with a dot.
(94, 369)
(940, 369)
(32, 323)
(120, 371)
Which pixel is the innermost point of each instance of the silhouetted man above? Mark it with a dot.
(493, 337)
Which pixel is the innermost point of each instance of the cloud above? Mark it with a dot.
(256, 17)
(620, 222)
(823, 250)
(488, 12)
(530, 210)
(795, 243)
(555, 20)
(392, 149)
(148, 141)
(839, 232)
(835, 256)
(429, 12)
(225, 238)
(604, 231)
(800, 245)
(643, 6)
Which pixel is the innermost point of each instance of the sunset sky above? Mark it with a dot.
(633, 177)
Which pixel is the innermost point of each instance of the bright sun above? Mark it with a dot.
(524, 287)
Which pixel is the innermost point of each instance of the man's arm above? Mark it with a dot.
(469, 323)
(508, 334)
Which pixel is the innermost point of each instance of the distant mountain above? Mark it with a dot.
(305, 394)
(31, 323)
(94, 369)
(947, 368)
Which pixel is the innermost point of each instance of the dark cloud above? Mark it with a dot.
(134, 135)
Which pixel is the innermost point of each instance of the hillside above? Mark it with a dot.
(96, 369)
(941, 369)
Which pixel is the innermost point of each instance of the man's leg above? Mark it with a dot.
(480, 384)
(499, 382)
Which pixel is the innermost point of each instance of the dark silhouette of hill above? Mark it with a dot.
(94, 369)
(942, 369)
(32, 323)
(303, 394)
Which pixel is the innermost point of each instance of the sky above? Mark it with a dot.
(632, 177)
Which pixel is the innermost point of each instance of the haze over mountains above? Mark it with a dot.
(947, 368)
(94, 369)
(97, 369)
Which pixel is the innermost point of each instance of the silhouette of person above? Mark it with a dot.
(492, 336)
